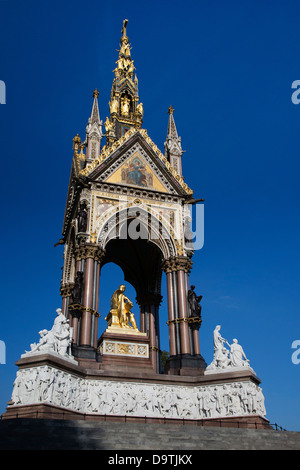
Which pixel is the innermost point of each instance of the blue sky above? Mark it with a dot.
(227, 68)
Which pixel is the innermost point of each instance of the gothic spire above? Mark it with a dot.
(95, 116)
(173, 149)
(125, 109)
(93, 131)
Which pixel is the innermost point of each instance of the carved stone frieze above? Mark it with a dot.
(150, 195)
(47, 384)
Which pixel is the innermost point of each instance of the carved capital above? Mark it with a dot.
(177, 263)
(99, 255)
(89, 251)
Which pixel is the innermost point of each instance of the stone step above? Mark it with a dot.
(59, 434)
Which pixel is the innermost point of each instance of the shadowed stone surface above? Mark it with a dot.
(44, 434)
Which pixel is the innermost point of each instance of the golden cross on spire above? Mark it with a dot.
(124, 27)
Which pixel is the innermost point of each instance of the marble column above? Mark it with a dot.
(142, 319)
(152, 336)
(85, 330)
(176, 269)
(183, 313)
(149, 305)
(96, 301)
(66, 292)
(91, 256)
(176, 314)
(196, 341)
(171, 314)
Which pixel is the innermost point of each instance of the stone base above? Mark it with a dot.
(66, 357)
(216, 370)
(127, 351)
(124, 331)
(47, 384)
(85, 352)
(48, 411)
(185, 364)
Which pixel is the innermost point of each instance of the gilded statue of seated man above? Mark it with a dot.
(121, 305)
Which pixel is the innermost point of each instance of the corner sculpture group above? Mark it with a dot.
(57, 340)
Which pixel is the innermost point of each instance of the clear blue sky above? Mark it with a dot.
(227, 68)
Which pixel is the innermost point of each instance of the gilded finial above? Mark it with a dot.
(76, 143)
(124, 27)
(96, 93)
(77, 139)
(170, 110)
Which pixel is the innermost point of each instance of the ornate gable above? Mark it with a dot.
(134, 160)
(136, 171)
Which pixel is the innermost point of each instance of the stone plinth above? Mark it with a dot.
(48, 386)
(122, 349)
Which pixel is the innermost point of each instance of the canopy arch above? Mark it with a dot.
(123, 224)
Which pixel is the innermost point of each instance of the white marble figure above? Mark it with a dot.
(57, 340)
(237, 355)
(225, 359)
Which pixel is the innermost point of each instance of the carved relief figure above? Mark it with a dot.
(97, 396)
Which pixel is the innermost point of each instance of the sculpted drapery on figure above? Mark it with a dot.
(57, 340)
(223, 358)
(77, 289)
(122, 306)
(237, 355)
(82, 218)
(194, 302)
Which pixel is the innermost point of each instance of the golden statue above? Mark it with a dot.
(125, 104)
(125, 47)
(139, 109)
(113, 106)
(120, 314)
(108, 125)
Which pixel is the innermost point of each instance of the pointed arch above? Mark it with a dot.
(151, 229)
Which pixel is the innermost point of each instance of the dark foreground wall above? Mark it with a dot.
(51, 434)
